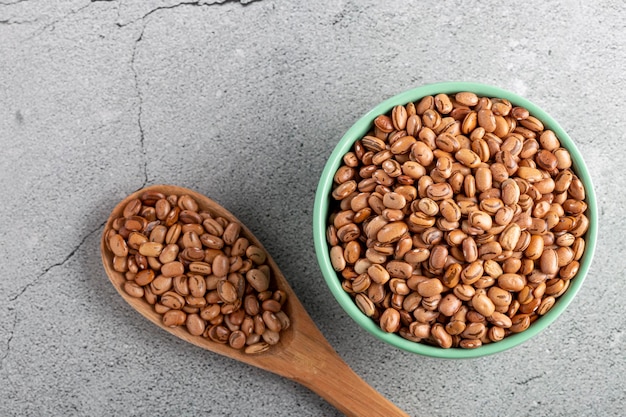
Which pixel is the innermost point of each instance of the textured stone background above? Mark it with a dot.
(243, 101)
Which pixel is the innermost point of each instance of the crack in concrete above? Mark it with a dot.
(12, 3)
(142, 136)
(196, 3)
(530, 379)
(10, 339)
(133, 64)
(34, 282)
(8, 22)
(56, 265)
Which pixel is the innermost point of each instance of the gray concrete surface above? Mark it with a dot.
(243, 101)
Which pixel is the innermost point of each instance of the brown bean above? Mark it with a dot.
(152, 249)
(195, 324)
(449, 305)
(511, 282)
(483, 304)
(509, 237)
(439, 334)
(133, 289)
(438, 257)
(535, 247)
(144, 277)
(481, 220)
(392, 232)
(118, 245)
(430, 287)
(172, 269)
(499, 296)
(226, 291)
(174, 318)
(466, 98)
(390, 320)
(549, 261)
(161, 284)
(486, 120)
(439, 191)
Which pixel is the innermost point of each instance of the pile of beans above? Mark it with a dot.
(458, 220)
(197, 271)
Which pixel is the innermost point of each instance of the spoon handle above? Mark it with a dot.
(312, 362)
(346, 391)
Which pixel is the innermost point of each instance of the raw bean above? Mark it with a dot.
(438, 257)
(390, 320)
(344, 190)
(118, 245)
(174, 318)
(169, 253)
(520, 322)
(449, 305)
(135, 239)
(226, 291)
(402, 145)
(535, 247)
(443, 103)
(152, 249)
(455, 327)
(160, 285)
(500, 320)
(195, 324)
(486, 120)
(430, 287)
(483, 304)
(202, 268)
(161, 309)
(480, 220)
(546, 305)
(257, 279)
(172, 269)
(133, 289)
(439, 191)
(470, 249)
(511, 282)
(549, 261)
(365, 304)
(499, 296)
(144, 277)
(173, 300)
(475, 329)
(237, 340)
(509, 237)
(392, 232)
(378, 274)
(337, 259)
(468, 158)
(468, 99)
(399, 269)
(441, 336)
(419, 330)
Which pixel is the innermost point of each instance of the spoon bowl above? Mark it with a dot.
(302, 353)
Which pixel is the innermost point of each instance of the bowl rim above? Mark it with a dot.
(358, 130)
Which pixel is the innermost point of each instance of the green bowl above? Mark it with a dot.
(323, 198)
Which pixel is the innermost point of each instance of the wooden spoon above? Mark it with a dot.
(302, 354)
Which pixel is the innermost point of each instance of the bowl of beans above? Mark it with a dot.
(455, 220)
